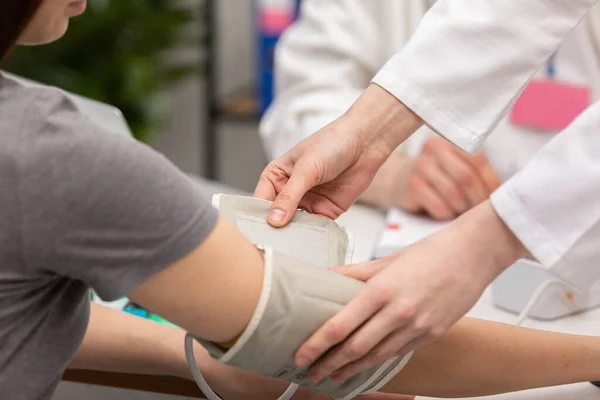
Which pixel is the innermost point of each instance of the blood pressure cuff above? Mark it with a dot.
(314, 239)
(297, 298)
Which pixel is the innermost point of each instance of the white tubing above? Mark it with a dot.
(536, 296)
(204, 386)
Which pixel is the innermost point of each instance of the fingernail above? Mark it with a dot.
(315, 378)
(336, 377)
(276, 215)
(302, 362)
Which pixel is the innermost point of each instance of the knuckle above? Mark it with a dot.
(273, 172)
(431, 144)
(441, 212)
(405, 313)
(382, 294)
(335, 332)
(479, 160)
(453, 193)
(285, 196)
(273, 167)
(316, 170)
(428, 330)
(267, 173)
(415, 182)
(464, 177)
(428, 145)
(421, 325)
(436, 332)
(379, 356)
(422, 163)
(354, 350)
(310, 351)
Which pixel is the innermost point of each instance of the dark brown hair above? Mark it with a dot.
(14, 17)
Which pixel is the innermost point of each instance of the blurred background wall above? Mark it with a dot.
(240, 158)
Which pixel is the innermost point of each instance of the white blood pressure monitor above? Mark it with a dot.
(513, 290)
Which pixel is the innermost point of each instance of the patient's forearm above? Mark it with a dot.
(118, 342)
(477, 358)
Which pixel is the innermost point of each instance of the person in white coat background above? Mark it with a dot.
(460, 74)
(329, 56)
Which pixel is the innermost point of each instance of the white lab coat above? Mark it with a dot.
(325, 61)
(461, 72)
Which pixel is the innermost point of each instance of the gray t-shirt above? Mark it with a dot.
(79, 208)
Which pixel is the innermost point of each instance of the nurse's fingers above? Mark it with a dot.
(265, 189)
(382, 352)
(287, 200)
(429, 199)
(481, 164)
(339, 327)
(366, 270)
(439, 179)
(358, 346)
(463, 174)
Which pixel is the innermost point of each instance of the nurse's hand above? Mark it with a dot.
(444, 181)
(414, 296)
(326, 173)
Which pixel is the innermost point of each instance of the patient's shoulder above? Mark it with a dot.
(27, 107)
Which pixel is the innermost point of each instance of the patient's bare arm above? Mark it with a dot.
(478, 357)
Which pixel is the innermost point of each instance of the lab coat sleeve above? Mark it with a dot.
(322, 65)
(553, 204)
(470, 59)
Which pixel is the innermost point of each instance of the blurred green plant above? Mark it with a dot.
(122, 52)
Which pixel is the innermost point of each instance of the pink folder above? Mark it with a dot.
(550, 105)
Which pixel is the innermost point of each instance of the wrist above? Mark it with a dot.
(489, 241)
(381, 117)
(206, 364)
(178, 366)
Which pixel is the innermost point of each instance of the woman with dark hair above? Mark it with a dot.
(82, 209)
(14, 16)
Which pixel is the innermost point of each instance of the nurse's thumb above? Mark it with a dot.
(286, 203)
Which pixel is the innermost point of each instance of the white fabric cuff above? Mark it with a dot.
(531, 234)
(433, 116)
(548, 252)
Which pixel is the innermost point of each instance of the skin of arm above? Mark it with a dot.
(479, 358)
(116, 341)
(211, 292)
